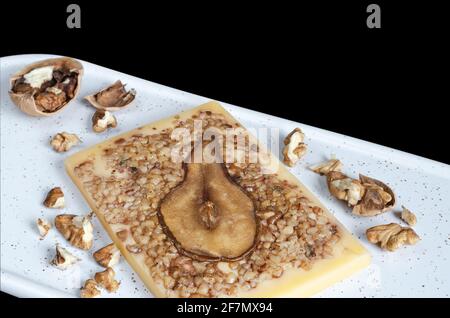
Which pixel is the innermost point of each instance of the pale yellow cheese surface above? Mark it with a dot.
(349, 255)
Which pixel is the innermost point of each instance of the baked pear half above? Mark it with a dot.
(208, 216)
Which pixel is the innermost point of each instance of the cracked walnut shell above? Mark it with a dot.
(62, 142)
(113, 97)
(391, 236)
(78, 230)
(106, 280)
(55, 198)
(107, 256)
(378, 198)
(46, 87)
(294, 147)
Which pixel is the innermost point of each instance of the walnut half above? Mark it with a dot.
(294, 147)
(391, 236)
(78, 230)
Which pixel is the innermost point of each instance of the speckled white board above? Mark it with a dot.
(29, 168)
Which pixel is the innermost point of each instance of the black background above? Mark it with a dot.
(315, 63)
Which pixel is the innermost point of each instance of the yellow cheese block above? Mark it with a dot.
(348, 257)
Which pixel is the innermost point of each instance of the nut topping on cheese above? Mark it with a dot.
(43, 226)
(78, 230)
(294, 147)
(55, 199)
(63, 258)
(107, 256)
(391, 236)
(90, 290)
(62, 142)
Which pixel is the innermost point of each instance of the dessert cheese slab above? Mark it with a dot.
(29, 168)
(299, 247)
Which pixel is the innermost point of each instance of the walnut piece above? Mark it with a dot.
(107, 256)
(62, 142)
(103, 120)
(294, 147)
(345, 188)
(43, 226)
(55, 199)
(90, 290)
(391, 236)
(78, 230)
(63, 258)
(326, 167)
(106, 280)
(378, 198)
(408, 216)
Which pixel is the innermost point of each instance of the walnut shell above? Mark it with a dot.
(112, 98)
(26, 101)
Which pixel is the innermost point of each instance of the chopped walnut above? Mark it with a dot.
(63, 258)
(183, 265)
(55, 199)
(90, 290)
(345, 188)
(103, 120)
(106, 280)
(408, 216)
(134, 248)
(107, 256)
(294, 147)
(78, 230)
(62, 142)
(43, 226)
(327, 166)
(391, 236)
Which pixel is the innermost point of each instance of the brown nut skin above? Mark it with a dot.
(26, 102)
(107, 256)
(106, 280)
(378, 198)
(55, 198)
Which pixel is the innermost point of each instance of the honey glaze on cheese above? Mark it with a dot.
(128, 178)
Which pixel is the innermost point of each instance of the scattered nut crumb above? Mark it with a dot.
(63, 258)
(391, 236)
(90, 289)
(62, 142)
(327, 166)
(107, 256)
(106, 280)
(408, 216)
(55, 199)
(103, 120)
(43, 226)
(122, 235)
(294, 147)
(78, 230)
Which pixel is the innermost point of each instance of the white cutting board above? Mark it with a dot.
(29, 168)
